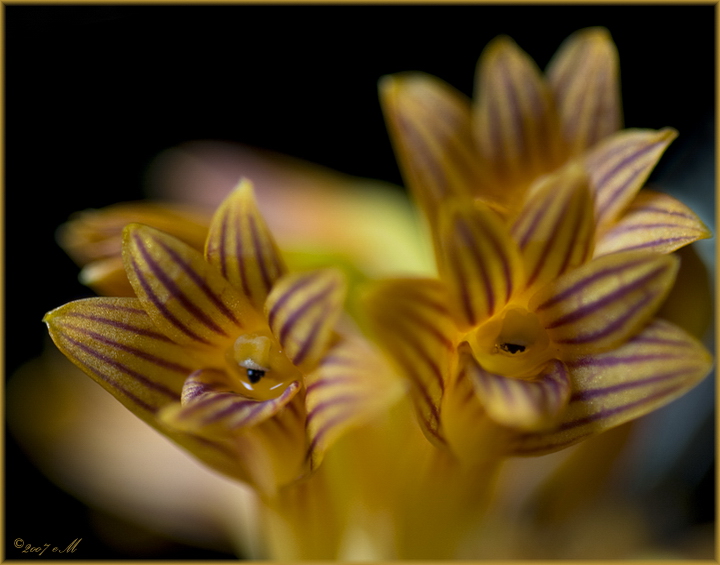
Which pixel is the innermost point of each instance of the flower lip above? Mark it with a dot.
(261, 370)
(512, 344)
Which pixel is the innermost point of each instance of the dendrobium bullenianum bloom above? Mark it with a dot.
(235, 359)
(551, 262)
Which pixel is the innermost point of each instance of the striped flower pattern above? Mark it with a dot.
(227, 353)
(552, 261)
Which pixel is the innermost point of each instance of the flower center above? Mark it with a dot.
(264, 371)
(512, 343)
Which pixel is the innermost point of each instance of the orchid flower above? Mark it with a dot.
(539, 331)
(227, 353)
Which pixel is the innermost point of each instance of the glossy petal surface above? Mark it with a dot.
(658, 365)
(521, 404)
(116, 343)
(412, 322)
(654, 222)
(187, 298)
(555, 228)
(584, 76)
(604, 302)
(242, 248)
(302, 311)
(619, 166)
(480, 264)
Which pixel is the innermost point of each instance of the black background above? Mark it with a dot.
(93, 93)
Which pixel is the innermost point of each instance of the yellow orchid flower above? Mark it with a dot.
(229, 355)
(540, 330)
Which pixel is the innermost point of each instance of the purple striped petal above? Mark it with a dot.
(480, 262)
(584, 76)
(619, 166)
(521, 404)
(412, 322)
(302, 310)
(658, 365)
(186, 297)
(555, 228)
(350, 386)
(654, 222)
(429, 123)
(115, 342)
(603, 303)
(241, 246)
(263, 443)
(516, 125)
(211, 403)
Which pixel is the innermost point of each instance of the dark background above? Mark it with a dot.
(94, 93)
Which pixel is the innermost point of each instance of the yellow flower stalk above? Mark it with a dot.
(228, 354)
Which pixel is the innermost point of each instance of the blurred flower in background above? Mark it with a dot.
(542, 509)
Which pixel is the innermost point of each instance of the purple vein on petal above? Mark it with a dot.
(297, 314)
(620, 360)
(162, 308)
(121, 325)
(203, 286)
(608, 412)
(612, 198)
(172, 288)
(609, 329)
(222, 248)
(550, 245)
(335, 401)
(589, 394)
(159, 361)
(466, 236)
(322, 431)
(261, 258)
(580, 285)
(296, 287)
(311, 338)
(329, 381)
(579, 220)
(606, 300)
(112, 362)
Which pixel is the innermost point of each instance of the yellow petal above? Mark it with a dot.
(584, 76)
(516, 125)
(302, 310)
(241, 246)
(97, 234)
(603, 303)
(520, 404)
(555, 228)
(411, 321)
(429, 123)
(655, 367)
(184, 295)
(480, 262)
(115, 342)
(350, 386)
(93, 239)
(619, 165)
(654, 222)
